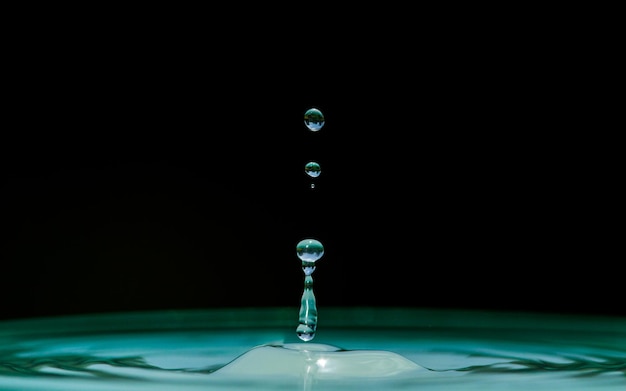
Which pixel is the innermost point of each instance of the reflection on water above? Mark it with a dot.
(435, 357)
(68, 365)
(576, 366)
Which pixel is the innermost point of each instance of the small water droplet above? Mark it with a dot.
(312, 169)
(314, 119)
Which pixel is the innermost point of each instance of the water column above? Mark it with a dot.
(309, 250)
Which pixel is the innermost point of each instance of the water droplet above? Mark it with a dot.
(312, 169)
(309, 251)
(314, 119)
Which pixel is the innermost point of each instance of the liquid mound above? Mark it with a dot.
(320, 361)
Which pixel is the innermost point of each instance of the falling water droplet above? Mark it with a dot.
(312, 169)
(314, 119)
(309, 251)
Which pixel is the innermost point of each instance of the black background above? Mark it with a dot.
(144, 171)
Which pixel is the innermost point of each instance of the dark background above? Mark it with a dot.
(142, 172)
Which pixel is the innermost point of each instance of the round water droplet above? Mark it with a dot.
(309, 250)
(312, 169)
(314, 119)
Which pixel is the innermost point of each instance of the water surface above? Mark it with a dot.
(355, 349)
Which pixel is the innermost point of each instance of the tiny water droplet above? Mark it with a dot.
(314, 119)
(312, 169)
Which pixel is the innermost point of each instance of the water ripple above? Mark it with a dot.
(13, 363)
(593, 366)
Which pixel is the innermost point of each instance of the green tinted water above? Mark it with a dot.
(357, 349)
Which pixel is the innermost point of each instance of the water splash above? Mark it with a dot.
(309, 251)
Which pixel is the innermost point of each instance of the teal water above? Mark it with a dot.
(354, 349)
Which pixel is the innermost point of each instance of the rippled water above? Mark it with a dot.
(390, 349)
